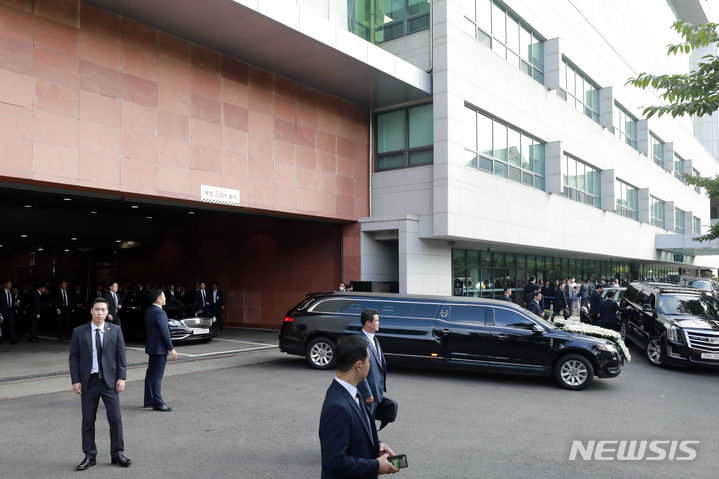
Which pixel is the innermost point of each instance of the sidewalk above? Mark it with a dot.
(28, 369)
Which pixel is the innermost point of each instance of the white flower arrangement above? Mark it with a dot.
(596, 331)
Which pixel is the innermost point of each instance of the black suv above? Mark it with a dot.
(449, 331)
(677, 325)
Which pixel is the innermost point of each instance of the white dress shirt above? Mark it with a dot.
(95, 367)
(350, 389)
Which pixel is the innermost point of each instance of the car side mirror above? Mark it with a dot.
(537, 329)
(647, 308)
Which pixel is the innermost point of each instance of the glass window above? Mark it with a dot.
(695, 172)
(502, 150)
(391, 308)
(396, 18)
(625, 126)
(580, 181)
(424, 310)
(405, 137)
(656, 149)
(626, 199)
(657, 212)
(468, 314)
(511, 319)
(580, 91)
(696, 226)
(679, 168)
(679, 221)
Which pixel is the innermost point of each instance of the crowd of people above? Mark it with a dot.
(60, 306)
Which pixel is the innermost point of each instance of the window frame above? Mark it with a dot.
(406, 151)
(564, 93)
(623, 209)
(653, 220)
(580, 192)
(620, 113)
(655, 140)
(679, 225)
(404, 21)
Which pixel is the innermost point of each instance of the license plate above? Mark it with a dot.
(200, 331)
(710, 356)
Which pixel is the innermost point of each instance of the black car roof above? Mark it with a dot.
(418, 297)
(667, 287)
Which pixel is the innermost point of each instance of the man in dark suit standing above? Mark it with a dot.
(63, 309)
(98, 370)
(113, 300)
(374, 387)
(202, 299)
(36, 310)
(348, 436)
(7, 311)
(534, 306)
(217, 304)
(595, 303)
(157, 344)
(507, 296)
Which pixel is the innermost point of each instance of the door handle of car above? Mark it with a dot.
(446, 331)
(502, 336)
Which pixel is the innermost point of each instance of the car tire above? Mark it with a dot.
(623, 331)
(321, 353)
(574, 372)
(654, 351)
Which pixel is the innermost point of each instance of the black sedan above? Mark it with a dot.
(450, 331)
(184, 322)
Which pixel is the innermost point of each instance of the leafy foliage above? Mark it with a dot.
(694, 93)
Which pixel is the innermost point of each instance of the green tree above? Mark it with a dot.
(693, 93)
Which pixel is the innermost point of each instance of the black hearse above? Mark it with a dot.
(449, 331)
(674, 325)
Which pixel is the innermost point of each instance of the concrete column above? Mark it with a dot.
(644, 205)
(643, 137)
(608, 195)
(553, 167)
(552, 63)
(669, 156)
(606, 107)
(669, 216)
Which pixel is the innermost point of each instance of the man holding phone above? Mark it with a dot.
(348, 435)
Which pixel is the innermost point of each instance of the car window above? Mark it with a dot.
(468, 314)
(352, 306)
(631, 294)
(327, 306)
(688, 305)
(705, 285)
(394, 308)
(511, 319)
(424, 310)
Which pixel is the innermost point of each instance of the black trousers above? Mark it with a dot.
(33, 319)
(96, 389)
(63, 323)
(153, 379)
(11, 326)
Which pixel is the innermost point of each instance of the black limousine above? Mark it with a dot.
(184, 322)
(449, 331)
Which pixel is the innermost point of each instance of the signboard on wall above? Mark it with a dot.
(220, 196)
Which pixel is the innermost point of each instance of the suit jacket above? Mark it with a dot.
(111, 305)
(608, 313)
(199, 304)
(7, 310)
(374, 385)
(35, 303)
(506, 297)
(348, 440)
(220, 299)
(560, 300)
(157, 331)
(58, 302)
(114, 366)
(535, 308)
(595, 302)
(584, 291)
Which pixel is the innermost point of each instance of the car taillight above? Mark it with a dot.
(289, 319)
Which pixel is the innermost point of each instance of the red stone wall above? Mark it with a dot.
(92, 99)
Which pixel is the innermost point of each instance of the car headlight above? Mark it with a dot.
(607, 347)
(174, 323)
(672, 333)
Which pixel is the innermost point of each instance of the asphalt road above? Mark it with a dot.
(258, 417)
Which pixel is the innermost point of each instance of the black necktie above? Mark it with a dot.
(64, 298)
(203, 296)
(363, 409)
(98, 348)
(376, 345)
(9, 300)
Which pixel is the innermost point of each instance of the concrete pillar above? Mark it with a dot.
(643, 137)
(608, 195)
(552, 63)
(606, 107)
(669, 215)
(553, 167)
(669, 156)
(644, 205)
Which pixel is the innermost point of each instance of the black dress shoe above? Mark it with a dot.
(121, 461)
(162, 407)
(147, 405)
(87, 462)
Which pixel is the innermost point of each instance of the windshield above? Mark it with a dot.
(688, 305)
(172, 303)
(703, 285)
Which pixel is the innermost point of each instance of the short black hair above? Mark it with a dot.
(155, 293)
(99, 300)
(368, 315)
(537, 293)
(507, 289)
(349, 350)
(610, 294)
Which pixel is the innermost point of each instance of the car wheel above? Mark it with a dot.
(321, 353)
(623, 332)
(654, 351)
(574, 372)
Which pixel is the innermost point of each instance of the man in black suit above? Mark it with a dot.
(507, 295)
(157, 345)
(595, 302)
(98, 370)
(609, 311)
(113, 300)
(374, 386)
(529, 290)
(36, 310)
(534, 306)
(7, 311)
(217, 304)
(202, 299)
(348, 436)
(64, 310)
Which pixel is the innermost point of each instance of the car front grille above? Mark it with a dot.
(197, 322)
(703, 341)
